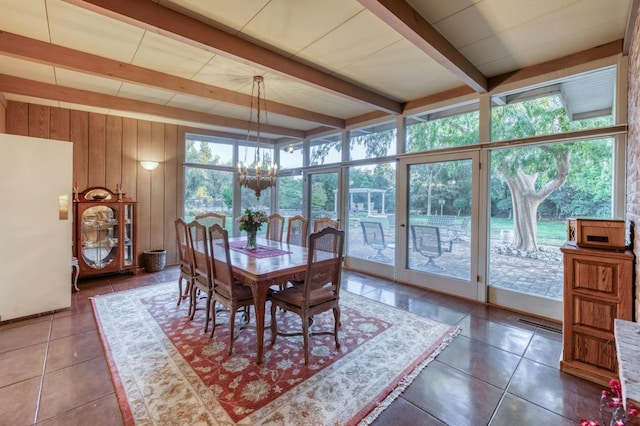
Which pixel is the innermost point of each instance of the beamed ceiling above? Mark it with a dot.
(327, 64)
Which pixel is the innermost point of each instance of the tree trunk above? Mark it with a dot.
(526, 200)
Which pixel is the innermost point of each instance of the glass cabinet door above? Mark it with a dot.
(99, 236)
(129, 249)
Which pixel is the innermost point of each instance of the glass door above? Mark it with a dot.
(436, 216)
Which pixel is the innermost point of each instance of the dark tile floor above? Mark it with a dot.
(499, 370)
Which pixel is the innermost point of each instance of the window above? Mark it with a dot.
(326, 150)
(373, 141)
(447, 128)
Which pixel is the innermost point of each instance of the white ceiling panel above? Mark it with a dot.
(169, 56)
(27, 18)
(354, 40)
(231, 16)
(26, 69)
(144, 93)
(229, 74)
(290, 26)
(88, 82)
(90, 32)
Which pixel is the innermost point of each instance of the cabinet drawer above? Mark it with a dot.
(595, 313)
(595, 351)
(596, 276)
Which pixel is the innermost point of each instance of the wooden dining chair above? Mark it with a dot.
(275, 227)
(187, 271)
(210, 218)
(297, 229)
(226, 290)
(324, 222)
(320, 291)
(203, 279)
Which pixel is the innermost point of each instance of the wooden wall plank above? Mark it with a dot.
(129, 157)
(113, 152)
(18, 118)
(59, 123)
(170, 191)
(143, 187)
(157, 187)
(3, 114)
(39, 121)
(97, 145)
(79, 135)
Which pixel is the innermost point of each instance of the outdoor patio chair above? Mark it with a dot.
(320, 291)
(427, 241)
(297, 229)
(373, 235)
(187, 271)
(210, 218)
(226, 290)
(275, 227)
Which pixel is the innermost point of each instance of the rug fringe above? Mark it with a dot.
(404, 383)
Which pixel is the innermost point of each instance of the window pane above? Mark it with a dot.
(208, 191)
(326, 150)
(533, 191)
(443, 129)
(290, 195)
(247, 155)
(439, 218)
(371, 214)
(291, 157)
(579, 102)
(210, 151)
(373, 142)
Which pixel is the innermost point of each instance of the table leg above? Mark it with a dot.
(259, 300)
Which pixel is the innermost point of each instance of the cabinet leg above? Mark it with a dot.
(76, 272)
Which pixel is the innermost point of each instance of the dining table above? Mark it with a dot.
(273, 263)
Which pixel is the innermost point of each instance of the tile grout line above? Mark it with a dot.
(44, 364)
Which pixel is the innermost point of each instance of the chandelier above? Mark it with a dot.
(262, 176)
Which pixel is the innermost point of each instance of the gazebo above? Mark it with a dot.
(368, 191)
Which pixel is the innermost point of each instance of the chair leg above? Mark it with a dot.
(213, 316)
(232, 322)
(305, 338)
(194, 301)
(180, 295)
(274, 324)
(207, 312)
(336, 324)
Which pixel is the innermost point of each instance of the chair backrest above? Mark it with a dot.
(297, 229)
(275, 227)
(426, 239)
(221, 258)
(184, 246)
(372, 233)
(200, 253)
(210, 218)
(323, 272)
(324, 222)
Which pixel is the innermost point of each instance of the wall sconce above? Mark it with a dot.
(149, 165)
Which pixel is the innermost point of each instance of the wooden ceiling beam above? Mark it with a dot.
(169, 23)
(46, 53)
(21, 86)
(403, 18)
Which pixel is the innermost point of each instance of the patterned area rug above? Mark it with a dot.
(168, 372)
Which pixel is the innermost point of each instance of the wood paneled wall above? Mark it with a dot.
(3, 114)
(106, 151)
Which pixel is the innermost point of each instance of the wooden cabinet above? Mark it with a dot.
(104, 232)
(597, 290)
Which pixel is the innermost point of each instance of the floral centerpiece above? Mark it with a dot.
(251, 221)
(613, 401)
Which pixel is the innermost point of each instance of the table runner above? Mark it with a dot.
(261, 252)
